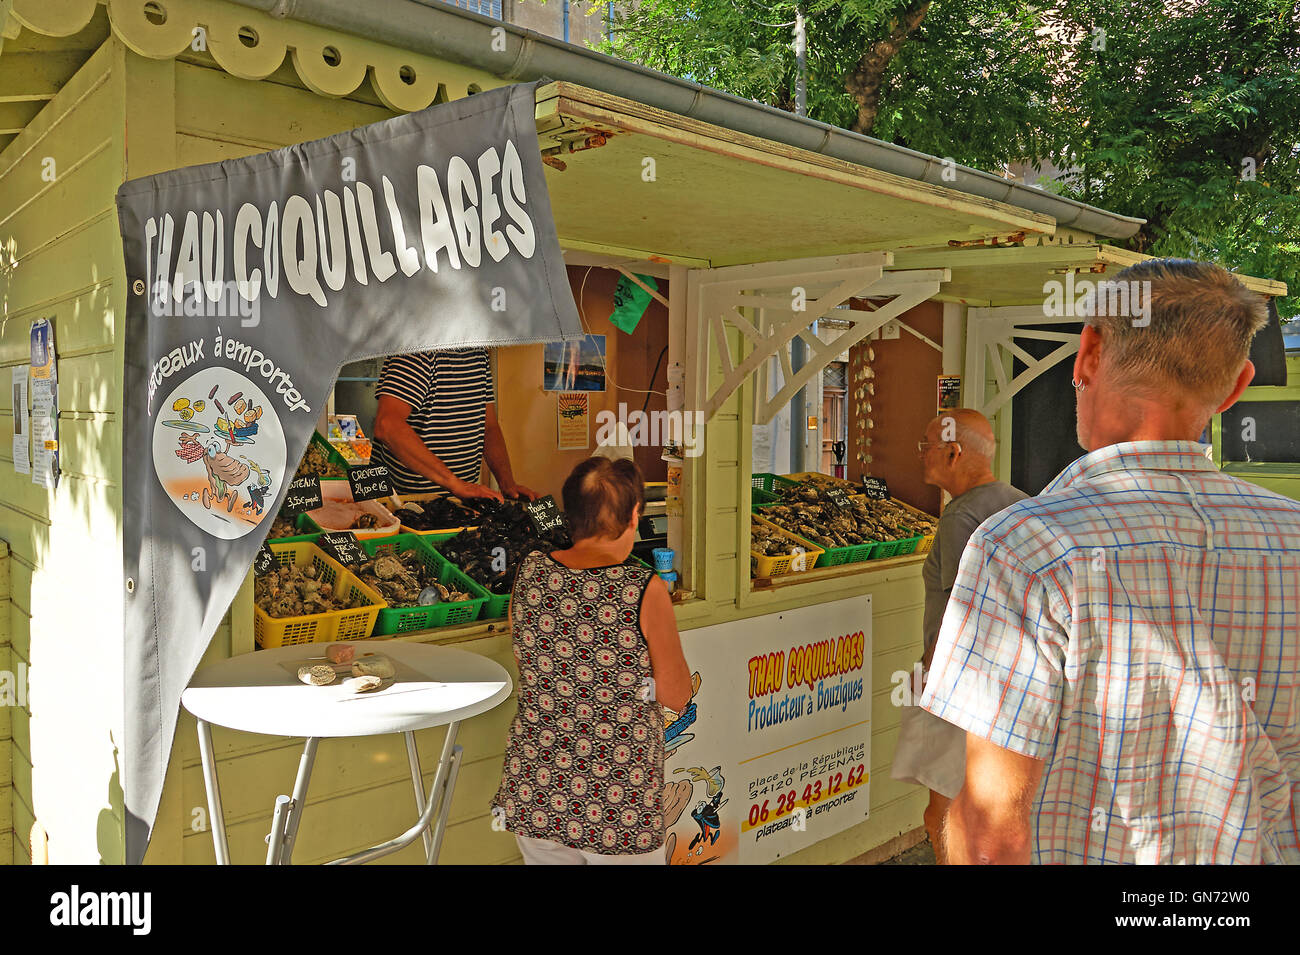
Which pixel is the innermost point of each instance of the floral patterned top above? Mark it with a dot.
(584, 761)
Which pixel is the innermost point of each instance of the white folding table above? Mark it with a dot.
(259, 693)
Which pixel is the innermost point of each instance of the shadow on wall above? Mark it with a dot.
(66, 534)
(108, 831)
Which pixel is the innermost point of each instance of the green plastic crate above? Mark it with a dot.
(886, 549)
(853, 554)
(831, 556)
(307, 528)
(331, 454)
(768, 483)
(908, 545)
(397, 620)
(496, 605)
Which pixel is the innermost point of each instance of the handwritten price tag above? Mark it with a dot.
(545, 514)
(837, 497)
(303, 495)
(264, 560)
(875, 488)
(343, 547)
(369, 481)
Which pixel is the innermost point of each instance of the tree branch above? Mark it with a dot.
(868, 74)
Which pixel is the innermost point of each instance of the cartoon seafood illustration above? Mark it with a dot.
(225, 472)
(257, 490)
(220, 416)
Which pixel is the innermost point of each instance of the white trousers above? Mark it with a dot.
(545, 852)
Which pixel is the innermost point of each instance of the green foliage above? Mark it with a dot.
(1182, 112)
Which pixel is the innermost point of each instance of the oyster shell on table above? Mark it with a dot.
(362, 684)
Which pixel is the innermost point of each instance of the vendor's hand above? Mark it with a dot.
(466, 491)
(518, 490)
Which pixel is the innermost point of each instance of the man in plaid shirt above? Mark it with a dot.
(1124, 650)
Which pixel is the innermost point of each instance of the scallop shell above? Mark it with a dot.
(317, 675)
(362, 684)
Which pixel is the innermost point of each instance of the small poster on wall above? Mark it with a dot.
(19, 379)
(44, 420)
(574, 366)
(572, 413)
(949, 392)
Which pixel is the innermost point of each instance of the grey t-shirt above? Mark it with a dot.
(958, 521)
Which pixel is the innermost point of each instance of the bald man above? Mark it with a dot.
(957, 456)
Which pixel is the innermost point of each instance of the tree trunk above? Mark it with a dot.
(868, 75)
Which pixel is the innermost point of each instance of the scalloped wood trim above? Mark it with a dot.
(252, 45)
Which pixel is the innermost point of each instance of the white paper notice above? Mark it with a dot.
(22, 464)
(45, 432)
(761, 444)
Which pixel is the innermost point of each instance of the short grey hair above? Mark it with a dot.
(1197, 337)
(971, 440)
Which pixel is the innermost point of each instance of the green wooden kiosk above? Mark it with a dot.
(718, 197)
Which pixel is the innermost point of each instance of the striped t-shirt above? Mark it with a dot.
(447, 392)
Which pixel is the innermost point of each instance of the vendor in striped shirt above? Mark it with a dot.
(436, 423)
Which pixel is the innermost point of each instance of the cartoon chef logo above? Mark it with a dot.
(219, 451)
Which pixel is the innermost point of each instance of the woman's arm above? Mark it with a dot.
(671, 674)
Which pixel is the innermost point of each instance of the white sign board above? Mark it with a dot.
(773, 753)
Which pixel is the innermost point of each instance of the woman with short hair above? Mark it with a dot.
(598, 651)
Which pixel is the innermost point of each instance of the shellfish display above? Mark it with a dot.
(864, 521)
(504, 525)
(316, 463)
(431, 515)
(401, 578)
(283, 526)
(297, 591)
(765, 540)
(352, 516)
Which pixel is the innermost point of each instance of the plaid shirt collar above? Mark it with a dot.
(1134, 456)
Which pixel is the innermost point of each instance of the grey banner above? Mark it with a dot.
(250, 282)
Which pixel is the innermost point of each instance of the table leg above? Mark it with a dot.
(441, 826)
(299, 802)
(439, 802)
(417, 777)
(275, 840)
(216, 816)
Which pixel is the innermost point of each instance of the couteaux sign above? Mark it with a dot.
(251, 281)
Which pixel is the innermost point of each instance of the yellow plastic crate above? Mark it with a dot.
(356, 624)
(763, 565)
